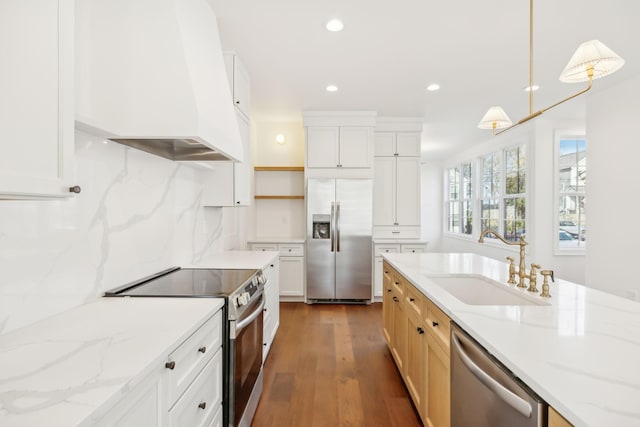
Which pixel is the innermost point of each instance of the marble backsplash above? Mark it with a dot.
(137, 214)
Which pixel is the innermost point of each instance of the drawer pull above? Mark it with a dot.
(435, 324)
(388, 290)
(396, 299)
(396, 283)
(202, 350)
(289, 250)
(271, 265)
(412, 299)
(413, 250)
(170, 365)
(202, 405)
(420, 330)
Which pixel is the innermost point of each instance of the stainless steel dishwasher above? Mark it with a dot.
(486, 394)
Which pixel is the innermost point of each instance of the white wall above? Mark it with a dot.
(613, 188)
(431, 204)
(137, 214)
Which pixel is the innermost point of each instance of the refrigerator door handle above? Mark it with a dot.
(331, 226)
(337, 226)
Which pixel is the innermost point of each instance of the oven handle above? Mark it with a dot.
(244, 322)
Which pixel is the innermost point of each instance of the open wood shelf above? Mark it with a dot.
(279, 197)
(279, 168)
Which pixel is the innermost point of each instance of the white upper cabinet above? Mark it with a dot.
(397, 144)
(408, 191)
(384, 194)
(36, 98)
(238, 81)
(153, 70)
(339, 139)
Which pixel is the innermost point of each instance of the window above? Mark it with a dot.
(503, 199)
(515, 172)
(571, 186)
(460, 199)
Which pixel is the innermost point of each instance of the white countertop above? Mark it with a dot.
(237, 260)
(277, 240)
(581, 353)
(70, 369)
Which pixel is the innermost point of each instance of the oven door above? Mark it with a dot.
(246, 360)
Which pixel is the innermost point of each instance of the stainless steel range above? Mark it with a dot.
(242, 345)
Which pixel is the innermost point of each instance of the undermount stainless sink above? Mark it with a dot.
(479, 290)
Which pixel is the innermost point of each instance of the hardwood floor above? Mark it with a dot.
(329, 366)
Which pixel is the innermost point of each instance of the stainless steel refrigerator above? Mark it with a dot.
(339, 227)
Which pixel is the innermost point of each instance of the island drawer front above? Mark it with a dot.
(264, 247)
(386, 249)
(438, 324)
(200, 403)
(397, 282)
(414, 299)
(192, 355)
(291, 249)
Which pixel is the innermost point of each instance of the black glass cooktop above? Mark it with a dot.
(189, 283)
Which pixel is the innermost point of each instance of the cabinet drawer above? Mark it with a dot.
(264, 247)
(414, 299)
(438, 325)
(294, 249)
(397, 283)
(386, 249)
(412, 248)
(192, 355)
(202, 400)
(382, 232)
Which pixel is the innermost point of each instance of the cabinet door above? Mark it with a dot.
(408, 191)
(415, 361)
(322, 147)
(242, 171)
(292, 276)
(36, 102)
(355, 147)
(399, 335)
(438, 390)
(384, 144)
(384, 191)
(240, 86)
(408, 144)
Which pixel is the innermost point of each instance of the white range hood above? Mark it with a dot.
(150, 74)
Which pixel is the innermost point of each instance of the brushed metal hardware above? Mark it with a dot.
(202, 405)
(396, 154)
(202, 350)
(545, 283)
(533, 278)
(512, 271)
(75, 189)
(170, 365)
(395, 232)
(420, 330)
(435, 324)
(522, 274)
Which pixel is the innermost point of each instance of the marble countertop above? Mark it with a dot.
(71, 368)
(277, 240)
(236, 260)
(580, 353)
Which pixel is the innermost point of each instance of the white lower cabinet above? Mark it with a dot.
(271, 319)
(382, 248)
(292, 276)
(185, 391)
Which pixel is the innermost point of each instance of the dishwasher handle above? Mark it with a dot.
(516, 402)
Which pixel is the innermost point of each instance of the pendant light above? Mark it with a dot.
(591, 60)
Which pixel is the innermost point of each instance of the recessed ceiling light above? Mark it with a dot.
(335, 25)
(433, 87)
(332, 88)
(531, 88)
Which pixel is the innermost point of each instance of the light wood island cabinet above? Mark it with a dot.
(417, 333)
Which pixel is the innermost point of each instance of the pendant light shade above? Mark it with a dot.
(591, 54)
(495, 118)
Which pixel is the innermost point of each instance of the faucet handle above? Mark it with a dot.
(512, 271)
(545, 284)
(533, 278)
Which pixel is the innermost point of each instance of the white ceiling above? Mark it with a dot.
(389, 52)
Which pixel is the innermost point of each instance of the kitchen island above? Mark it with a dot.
(579, 352)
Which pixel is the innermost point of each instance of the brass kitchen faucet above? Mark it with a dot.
(522, 274)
